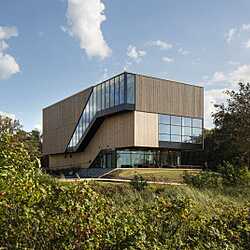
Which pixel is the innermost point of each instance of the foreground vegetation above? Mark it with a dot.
(38, 212)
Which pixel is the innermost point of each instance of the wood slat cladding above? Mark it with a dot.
(116, 131)
(59, 121)
(146, 129)
(168, 97)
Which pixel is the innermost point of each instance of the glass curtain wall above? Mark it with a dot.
(180, 129)
(114, 92)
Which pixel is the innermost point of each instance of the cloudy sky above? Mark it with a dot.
(51, 49)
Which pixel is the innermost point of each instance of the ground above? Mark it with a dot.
(152, 174)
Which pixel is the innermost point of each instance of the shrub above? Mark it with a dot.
(232, 173)
(205, 179)
(138, 183)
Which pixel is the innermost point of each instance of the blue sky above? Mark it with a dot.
(51, 49)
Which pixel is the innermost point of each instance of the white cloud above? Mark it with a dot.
(161, 44)
(8, 64)
(84, 20)
(242, 73)
(247, 44)
(212, 97)
(218, 77)
(135, 54)
(3, 46)
(230, 35)
(245, 27)
(7, 32)
(167, 59)
(5, 114)
(183, 52)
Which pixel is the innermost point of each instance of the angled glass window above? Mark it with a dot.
(103, 96)
(117, 91)
(130, 88)
(112, 93)
(122, 89)
(107, 94)
(90, 108)
(87, 115)
(99, 97)
(94, 101)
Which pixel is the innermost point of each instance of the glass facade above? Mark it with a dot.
(117, 91)
(138, 158)
(180, 129)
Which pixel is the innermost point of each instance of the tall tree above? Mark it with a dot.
(232, 124)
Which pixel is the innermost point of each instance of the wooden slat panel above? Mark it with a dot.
(59, 121)
(116, 131)
(168, 97)
(146, 129)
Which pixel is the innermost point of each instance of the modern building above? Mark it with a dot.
(129, 120)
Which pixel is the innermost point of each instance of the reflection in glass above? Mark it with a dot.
(165, 119)
(121, 89)
(186, 122)
(175, 138)
(117, 91)
(180, 129)
(112, 93)
(107, 94)
(187, 131)
(164, 137)
(130, 88)
(176, 130)
(164, 128)
(176, 120)
(103, 96)
(197, 131)
(197, 123)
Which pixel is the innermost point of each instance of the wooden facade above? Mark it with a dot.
(115, 132)
(59, 121)
(138, 128)
(168, 97)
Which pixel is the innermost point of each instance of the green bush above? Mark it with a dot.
(138, 183)
(233, 173)
(39, 212)
(205, 179)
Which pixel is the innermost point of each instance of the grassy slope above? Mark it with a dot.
(159, 174)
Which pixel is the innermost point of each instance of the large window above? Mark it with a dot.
(116, 91)
(180, 129)
(130, 88)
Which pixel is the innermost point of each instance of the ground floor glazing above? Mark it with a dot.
(142, 158)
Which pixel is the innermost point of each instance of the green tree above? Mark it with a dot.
(232, 125)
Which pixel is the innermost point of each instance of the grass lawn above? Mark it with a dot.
(152, 174)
